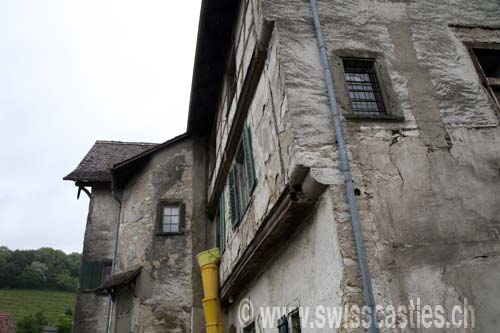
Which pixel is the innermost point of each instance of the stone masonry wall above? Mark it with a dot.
(91, 308)
(166, 285)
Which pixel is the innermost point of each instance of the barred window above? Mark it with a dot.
(364, 89)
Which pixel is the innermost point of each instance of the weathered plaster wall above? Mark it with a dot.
(429, 186)
(306, 272)
(91, 308)
(267, 119)
(167, 302)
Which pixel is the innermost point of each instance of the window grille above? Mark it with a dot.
(171, 217)
(364, 89)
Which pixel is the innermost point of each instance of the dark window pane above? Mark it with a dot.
(249, 329)
(296, 328)
(364, 90)
(283, 325)
(489, 59)
(106, 271)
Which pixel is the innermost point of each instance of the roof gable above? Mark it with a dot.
(96, 165)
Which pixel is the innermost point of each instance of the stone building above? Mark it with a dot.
(262, 172)
(155, 286)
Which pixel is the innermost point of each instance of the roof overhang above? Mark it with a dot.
(215, 29)
(120, 280)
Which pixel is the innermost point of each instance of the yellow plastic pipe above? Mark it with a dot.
(209, 265)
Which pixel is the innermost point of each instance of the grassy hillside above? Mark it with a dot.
(21, 303)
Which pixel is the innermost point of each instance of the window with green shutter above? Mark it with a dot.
(283, 325)
(93, 273)
(241, 178)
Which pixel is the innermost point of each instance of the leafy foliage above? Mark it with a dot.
(65, 322)
(44, 268)
(31, 323)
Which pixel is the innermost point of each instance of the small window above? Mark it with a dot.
(106, 271)
(241, 178)
(487, 62)
(295, 318)
(363, 87)
(93, 274)
(283, 325)
(249, 329)
(170, 218)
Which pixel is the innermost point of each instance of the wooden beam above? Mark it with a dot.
(248, 90)
(252, 78)
(291, 210)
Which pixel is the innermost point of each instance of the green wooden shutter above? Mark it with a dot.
(249, 165)
(96, 274)
(234, 198)
(222, 223)
(90, 275)
(85, 275)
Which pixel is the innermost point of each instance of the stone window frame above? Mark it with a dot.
(159, 216)
(390, 98)
(479, 69)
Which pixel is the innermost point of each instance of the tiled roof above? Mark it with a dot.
(96, 165)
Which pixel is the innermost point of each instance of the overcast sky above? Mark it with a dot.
(72, 72)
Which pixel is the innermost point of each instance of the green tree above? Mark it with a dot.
(66, 282)
(31, 323)
(30, 278)
(45, 268)
(64, 324)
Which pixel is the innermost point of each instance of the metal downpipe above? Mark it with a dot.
(209, 264)
(356, 225)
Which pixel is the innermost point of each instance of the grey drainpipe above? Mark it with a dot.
(356, 225)
(115, 246)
